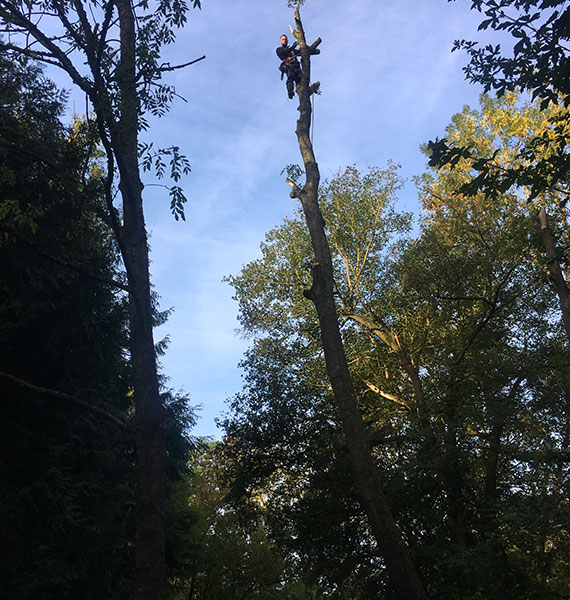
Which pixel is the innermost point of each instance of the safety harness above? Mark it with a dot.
(289, 62)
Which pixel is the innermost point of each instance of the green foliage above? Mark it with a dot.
(539, 64)
(237, 558)
(66, 478)
(541, 166)
(458, 359)
(178, 165)
(360, 221)
(294, 172)
(539, 61)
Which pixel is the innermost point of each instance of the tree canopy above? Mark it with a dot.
(539, 64)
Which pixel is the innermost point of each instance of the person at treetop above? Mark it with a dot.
(289, 64)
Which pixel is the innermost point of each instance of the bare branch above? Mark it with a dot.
(387, 395)
(44, 57)
(14, 16)
(104, 29)
(313, 47)
(35, 248)
(68, 398)
(164, 68)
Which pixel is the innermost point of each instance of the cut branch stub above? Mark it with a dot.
(296, 191)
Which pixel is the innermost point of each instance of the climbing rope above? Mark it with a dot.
(312, 118)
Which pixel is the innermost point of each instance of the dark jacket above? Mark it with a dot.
(287, 53)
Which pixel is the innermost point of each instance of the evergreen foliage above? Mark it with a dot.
(67, 463)
(67, 475)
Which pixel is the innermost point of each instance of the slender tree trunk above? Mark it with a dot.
(554, 269)
(402, 572)
(149, 417)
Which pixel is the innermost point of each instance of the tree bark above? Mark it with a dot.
(554, 269)
(403, 574)
(149, 417)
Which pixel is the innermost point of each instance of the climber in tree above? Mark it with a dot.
(289, 64)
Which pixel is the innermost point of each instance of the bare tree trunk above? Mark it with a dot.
(402, 572)
(149, 417)
(554, 270)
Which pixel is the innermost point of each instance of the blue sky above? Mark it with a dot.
(390, 83)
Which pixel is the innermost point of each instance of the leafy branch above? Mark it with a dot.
(177, 166)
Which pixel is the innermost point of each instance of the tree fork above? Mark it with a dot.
(401, 569)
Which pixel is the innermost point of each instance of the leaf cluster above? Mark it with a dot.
(541, 166)
(540, 65)
(539, 62)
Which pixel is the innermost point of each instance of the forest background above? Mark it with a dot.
(458, 360)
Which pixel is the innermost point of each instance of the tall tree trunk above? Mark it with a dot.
(149, 416)
(402, 572)
(554, 269)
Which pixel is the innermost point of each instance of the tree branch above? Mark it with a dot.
(12, 15)
(62, 263)
(68, 398)
(387, 395)
(164, 68)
